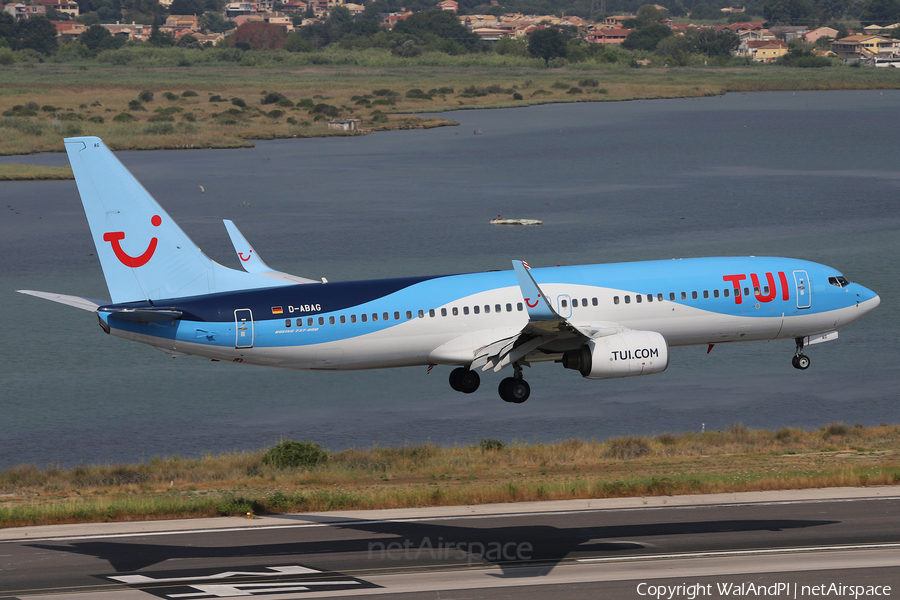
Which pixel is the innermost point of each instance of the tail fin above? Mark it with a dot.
(143, 252)
(251, 261)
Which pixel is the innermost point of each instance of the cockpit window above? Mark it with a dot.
(839, 281)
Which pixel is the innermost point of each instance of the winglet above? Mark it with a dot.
(250, 260)
(537, 304)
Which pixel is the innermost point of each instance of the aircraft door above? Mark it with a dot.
(801, 279)
(243, 324)
(564, 306)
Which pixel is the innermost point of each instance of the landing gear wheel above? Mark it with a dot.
(514, 390)
(801, 362)
(463, 380)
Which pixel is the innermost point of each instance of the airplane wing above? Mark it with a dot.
(252, 263)
(545, 329)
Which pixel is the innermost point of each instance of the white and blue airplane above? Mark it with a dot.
(603, 320)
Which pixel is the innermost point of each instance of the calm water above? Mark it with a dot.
(809, 175)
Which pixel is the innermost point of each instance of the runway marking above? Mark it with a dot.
(797, 550)
(350, 523)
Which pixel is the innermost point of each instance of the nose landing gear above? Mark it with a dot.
(800, 360)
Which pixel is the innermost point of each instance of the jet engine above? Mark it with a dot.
(625, 354)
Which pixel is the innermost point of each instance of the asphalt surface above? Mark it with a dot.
(780, 544)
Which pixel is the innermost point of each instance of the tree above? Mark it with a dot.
(98, 38)
(36, 33)
(646, 38)
(705, 12)
(788, 12)
(440, 24)
(880, 12)
(711, 42)
(186, 7)
(259, 36)
(548, 43)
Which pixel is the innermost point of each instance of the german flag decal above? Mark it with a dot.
(276, 310)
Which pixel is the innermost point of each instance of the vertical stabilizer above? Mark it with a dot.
(143, 252)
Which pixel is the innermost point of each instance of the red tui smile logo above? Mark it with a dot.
(113, 237)
(249, 254)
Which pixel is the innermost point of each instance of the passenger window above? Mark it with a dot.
(363, 317)
(309, 322)
(498, 308)
(756, 290)
(443, 312)
(409, 314)
(715, 293)
(385, 317)
(396, 315)
(746, 291)
(649, 297)
(465, 310)
(487, 308)
(766, 290)
(659, 297)
(725, 292)
(476, 309)
(343, 319)
(353, 318)
(519, 307)
(615, 299)
(706, 293)
(431, 312)
(509, 308)
(421, 314)
(374, 317)
(331, 320)
(455, 311)
(584, 301)
(287, 323)
(564, 303)
(594, 301)
(694, 295)
(638, 298)
(672, 296)
(627, 299)
(684, 295)
(321, 320)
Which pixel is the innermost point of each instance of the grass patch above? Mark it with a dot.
(306, 478)
(38, 100)
(17, 172)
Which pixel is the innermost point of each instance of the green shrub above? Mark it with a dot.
(123, 118)
(589, 83)
(159, 129)
(146, 96)
(189, 117)
(216, 98)
(284, 103)
(189, 94)
(161, 119)
(384, 92)
(48, 108)
(289, 454)
(417, 94)
(326, 109)
(276, 114)
(489, 444)
(560, 85)
(170, 96)
(136, 105)
(517, 96)
(239, 102)
(273, 97)
(575, 90)
(306, 103)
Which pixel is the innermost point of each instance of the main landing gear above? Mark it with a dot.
(463, 380)
(515, 389)
(800, 360)
(512, 389)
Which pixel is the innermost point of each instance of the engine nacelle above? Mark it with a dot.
(625, 354)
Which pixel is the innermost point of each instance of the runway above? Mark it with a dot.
(814, 543)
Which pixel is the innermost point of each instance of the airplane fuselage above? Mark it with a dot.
(415, 321)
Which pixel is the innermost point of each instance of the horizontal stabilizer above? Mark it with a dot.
(250, 260)
(89, 304)
(144, 315)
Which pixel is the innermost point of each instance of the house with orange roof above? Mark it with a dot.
(448, 6)
(762, 50)
(607, 36)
